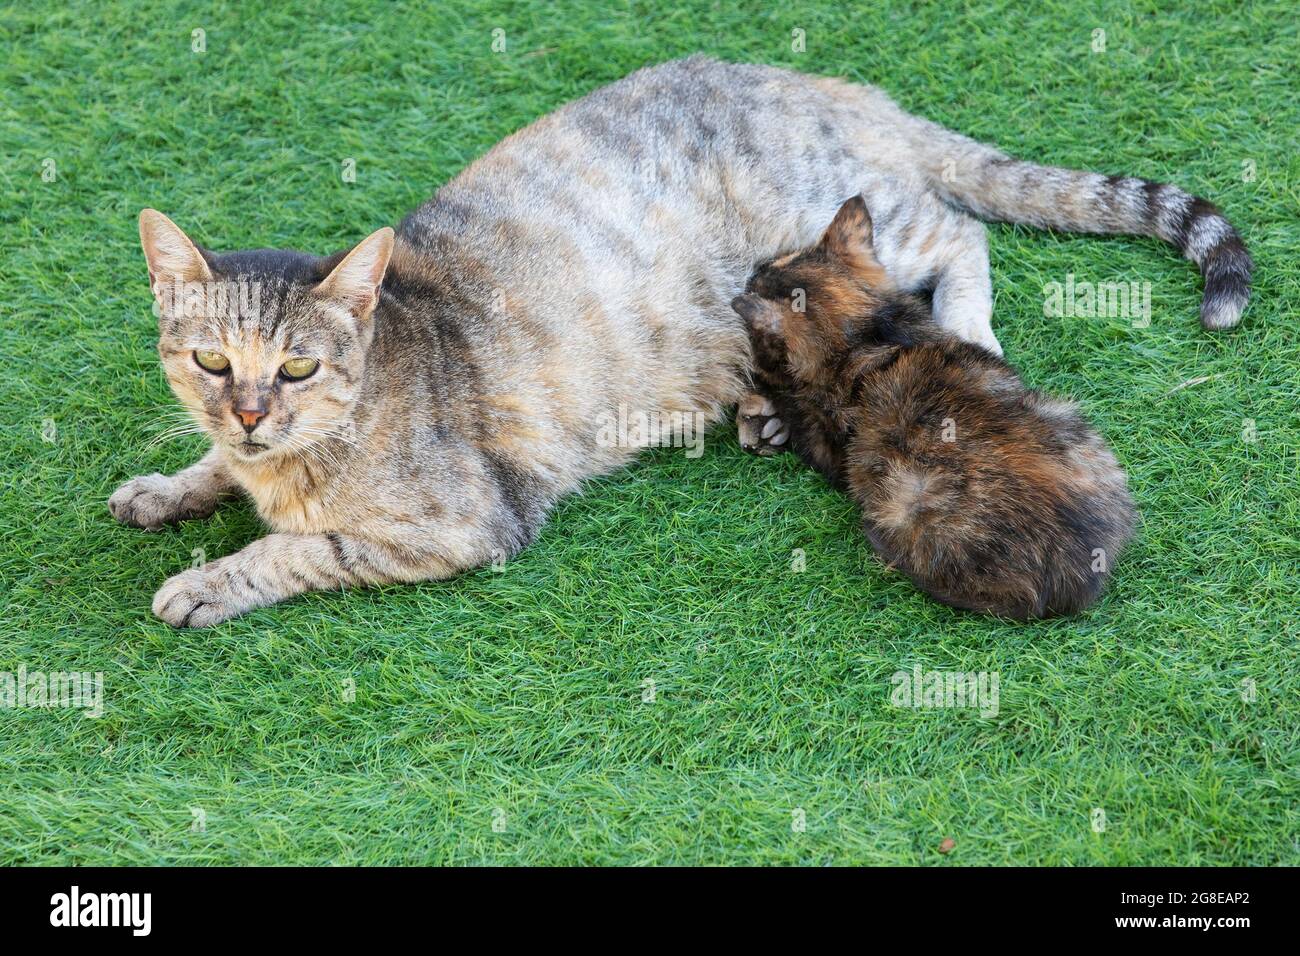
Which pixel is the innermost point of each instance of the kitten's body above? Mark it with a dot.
(988, 495)
(583, 264)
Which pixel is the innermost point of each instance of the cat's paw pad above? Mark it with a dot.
(151, 501)
(761, 431)
(196, 598)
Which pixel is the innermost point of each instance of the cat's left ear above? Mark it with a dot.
(355, 281)
(849, 236)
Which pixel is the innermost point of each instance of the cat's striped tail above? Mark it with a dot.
(997, 187)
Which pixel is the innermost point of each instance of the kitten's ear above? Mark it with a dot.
(355, 281)
(747, 306)
(759, 314)
(171, 255)
(849, 235)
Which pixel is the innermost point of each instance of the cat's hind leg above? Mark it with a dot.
(151, 501)
(761, 430)
(963, 292)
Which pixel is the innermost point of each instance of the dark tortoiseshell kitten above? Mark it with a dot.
(990, 496)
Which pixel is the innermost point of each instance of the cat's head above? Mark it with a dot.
(816, 301)
(265, 348)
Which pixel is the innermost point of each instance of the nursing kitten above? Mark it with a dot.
(988, 495)
(413, 407)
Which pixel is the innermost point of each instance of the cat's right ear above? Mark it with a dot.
(172, 257)
(355, 281)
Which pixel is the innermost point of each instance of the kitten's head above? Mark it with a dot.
(814, 302)
(265, 348)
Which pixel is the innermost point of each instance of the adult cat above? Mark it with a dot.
(412, 408)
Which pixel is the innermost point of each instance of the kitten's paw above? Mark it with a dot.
(151, 501)
(199, 597)
(761, 431)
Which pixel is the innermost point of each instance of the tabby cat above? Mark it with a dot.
(413, 407)
(989, 496)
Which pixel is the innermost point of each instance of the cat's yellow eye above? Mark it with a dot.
(299, 367)
(212, 361)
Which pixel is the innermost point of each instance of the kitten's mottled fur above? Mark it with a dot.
(988, 495)
(585, 263)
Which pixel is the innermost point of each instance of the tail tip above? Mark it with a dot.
(1227, 284)
(1222, 306)
(1221, 315)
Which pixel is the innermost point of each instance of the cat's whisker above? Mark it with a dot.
(162, 439)
(309, 452)
(339, 433)
(180, 428)
(305, 445)
(177, 428)
(150, 445)
(166, 423)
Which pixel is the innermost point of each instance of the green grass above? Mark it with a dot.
(521, 691)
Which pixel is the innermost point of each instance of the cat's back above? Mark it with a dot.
(590, 255)
(991, 495)
(586, 263)
(730, 162)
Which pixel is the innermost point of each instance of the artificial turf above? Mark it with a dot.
(651, 682)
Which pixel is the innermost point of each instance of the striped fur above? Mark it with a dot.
(583, 266)
(999, 188)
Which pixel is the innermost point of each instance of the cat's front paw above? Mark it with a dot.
(151, 501)
(199, 597)
(761, 431)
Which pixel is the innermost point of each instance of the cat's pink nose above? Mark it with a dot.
(250, 417)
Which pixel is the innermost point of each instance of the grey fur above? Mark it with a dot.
(584, 264)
